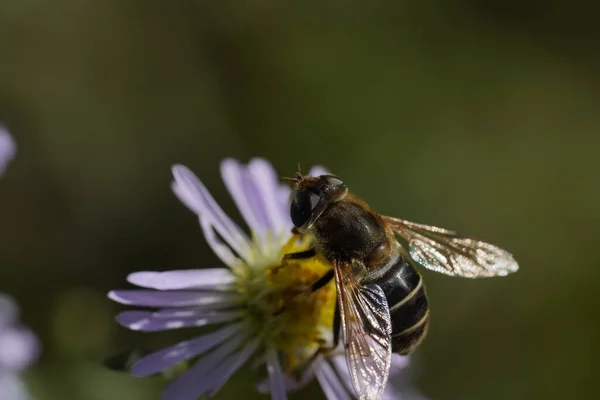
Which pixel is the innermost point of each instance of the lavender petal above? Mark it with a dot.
(291, 383)
(245, 196)
(170, 356)
(399, 364)
(330, 383)
(184, 312)
(222, 250)
(209, 278)
(276, 379)
(196, 197)
(18, 348)
(8, 148)
(147, 321)
(169, 298)
(230, 366)
(318, 170)
(390, 393)
(341, 367)
(267, 184)
(196, 380)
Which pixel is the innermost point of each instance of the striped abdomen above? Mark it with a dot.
(407, 301)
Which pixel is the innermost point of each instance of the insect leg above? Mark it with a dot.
(300, 255)
(322, 281)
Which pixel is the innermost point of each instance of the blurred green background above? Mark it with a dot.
(480, 116)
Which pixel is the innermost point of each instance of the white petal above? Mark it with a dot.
(195, 196)
(276, 380)
(209, 278)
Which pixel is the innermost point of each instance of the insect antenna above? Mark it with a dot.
(296, 177)
(291, 181)
(299, 173)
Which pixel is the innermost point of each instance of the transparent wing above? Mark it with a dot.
(366, 329)
(450, 253)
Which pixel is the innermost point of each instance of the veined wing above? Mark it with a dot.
(366, 329)
(450, 253)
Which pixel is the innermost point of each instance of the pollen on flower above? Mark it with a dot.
(285, 313)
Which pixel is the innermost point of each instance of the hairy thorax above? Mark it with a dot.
(348, 230)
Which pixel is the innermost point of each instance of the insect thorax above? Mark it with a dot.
(347, 231)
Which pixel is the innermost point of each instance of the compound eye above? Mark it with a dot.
(302, 207)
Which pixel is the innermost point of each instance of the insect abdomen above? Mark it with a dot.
(407, 301)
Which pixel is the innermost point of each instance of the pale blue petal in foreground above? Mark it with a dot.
(183, 351)
(8, 148)
(18, 349)
(211, 372)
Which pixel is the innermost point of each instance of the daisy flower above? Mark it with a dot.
(18, 348)
(258, 301)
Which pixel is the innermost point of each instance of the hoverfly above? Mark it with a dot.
(382, 306)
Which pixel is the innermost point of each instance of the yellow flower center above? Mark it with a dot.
(282, 309)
